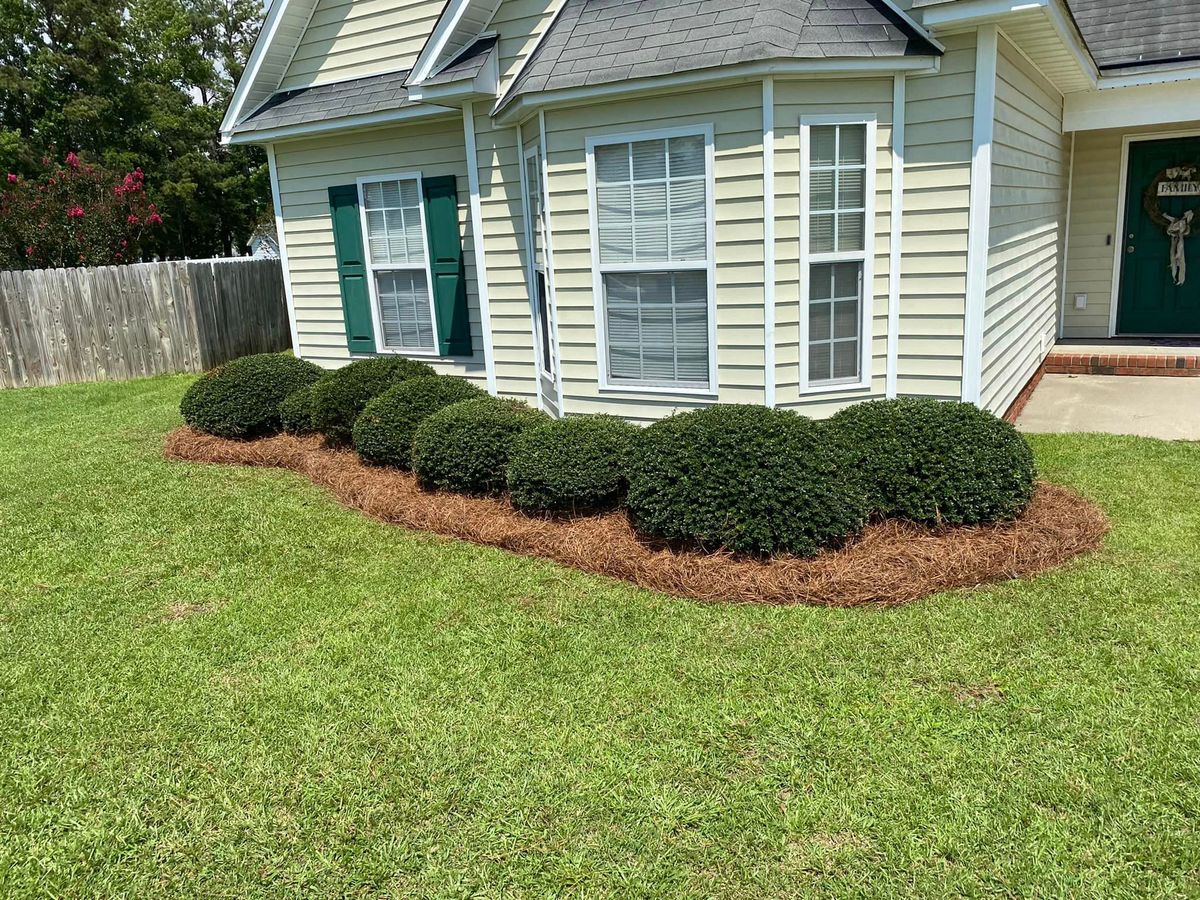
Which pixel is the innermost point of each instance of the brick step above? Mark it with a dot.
(1155, 364)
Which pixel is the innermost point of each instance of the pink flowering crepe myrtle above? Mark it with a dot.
(74, 213)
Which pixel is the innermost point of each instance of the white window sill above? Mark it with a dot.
(835, 387)
(686, 393)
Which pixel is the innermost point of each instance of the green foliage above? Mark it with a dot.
(572, 465)
(243, 398)
(936, 462)
(466, 446)
(744, 478)
(342, 395)
(142, 83)
(383, 433)
(295, 413)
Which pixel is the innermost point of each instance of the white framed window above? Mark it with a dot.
(654, 279)
(392, 208)
(837, 249)
(536, 235)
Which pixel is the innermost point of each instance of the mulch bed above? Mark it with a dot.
(890, 563)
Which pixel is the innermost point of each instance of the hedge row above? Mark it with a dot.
(740, 478)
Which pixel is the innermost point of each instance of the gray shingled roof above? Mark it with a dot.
(467, 64)
(375, 93)
(1123, 33)
(602, 41)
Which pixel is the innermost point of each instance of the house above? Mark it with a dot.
(642, 206)
(263, 242)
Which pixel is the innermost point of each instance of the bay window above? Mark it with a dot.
(836, 234)
(652, 236)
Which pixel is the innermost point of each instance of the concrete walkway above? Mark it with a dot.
(1161, 407)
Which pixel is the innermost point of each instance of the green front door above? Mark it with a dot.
(1161, 190)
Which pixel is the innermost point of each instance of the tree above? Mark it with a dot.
(138, 83)
(74, 214)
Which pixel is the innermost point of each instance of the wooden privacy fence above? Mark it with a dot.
(118, 322)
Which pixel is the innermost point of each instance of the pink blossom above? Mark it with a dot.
(72, 160)
(154, 219)
(119, 256)
(29, 251)
(12, 177)
(132, 220)
(75, 212)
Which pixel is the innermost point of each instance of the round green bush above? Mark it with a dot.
(343, 393)
(744, 478)
(572, 465)
(466, 447)
(936, 462)
(383, 432)
(242, 398)
(295, 413)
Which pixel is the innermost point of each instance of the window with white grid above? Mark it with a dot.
(652, 228)
(394, 226)
(837, 179)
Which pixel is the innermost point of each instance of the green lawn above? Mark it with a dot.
(216, 682)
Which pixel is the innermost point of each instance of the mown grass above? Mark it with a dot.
(217, 682)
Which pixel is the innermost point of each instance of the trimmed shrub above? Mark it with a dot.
(383, 433)
(342, 394)
(242, 398)
(295, 413)
(744, 478)
(572, 465)
(936, 462)
(466, 446)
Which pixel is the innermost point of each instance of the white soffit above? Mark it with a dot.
(1040, 28)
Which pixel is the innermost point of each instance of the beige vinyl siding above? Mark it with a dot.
(735, 115)
(520, 24)
(1097, 224)
(307, 169)
(504, 249)
(1028, 214)
(850, 97)
(937, 199)
(352, 38)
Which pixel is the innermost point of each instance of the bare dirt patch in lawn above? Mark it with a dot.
(175, 612)
(889, 563)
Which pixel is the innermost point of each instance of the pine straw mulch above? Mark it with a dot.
(890, 563)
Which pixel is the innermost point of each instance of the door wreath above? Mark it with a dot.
(1178, 228)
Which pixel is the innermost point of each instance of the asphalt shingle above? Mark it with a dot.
(603, 41)
(1127, 33)
(329, 101)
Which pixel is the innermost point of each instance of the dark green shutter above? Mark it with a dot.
(352, 269)
(446, 263)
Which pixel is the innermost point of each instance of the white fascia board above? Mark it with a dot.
(432, 51)
(308, 129)
(484, 85)
(742, 72)
(914, 24)
(262, 45)
(1134, 106)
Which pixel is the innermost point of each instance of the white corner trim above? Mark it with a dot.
(548, 250)
(530, 286)
(768, 140)
(896, 248)
(979, 226)
(283, 255)
(1066, 251)
(481, 277)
